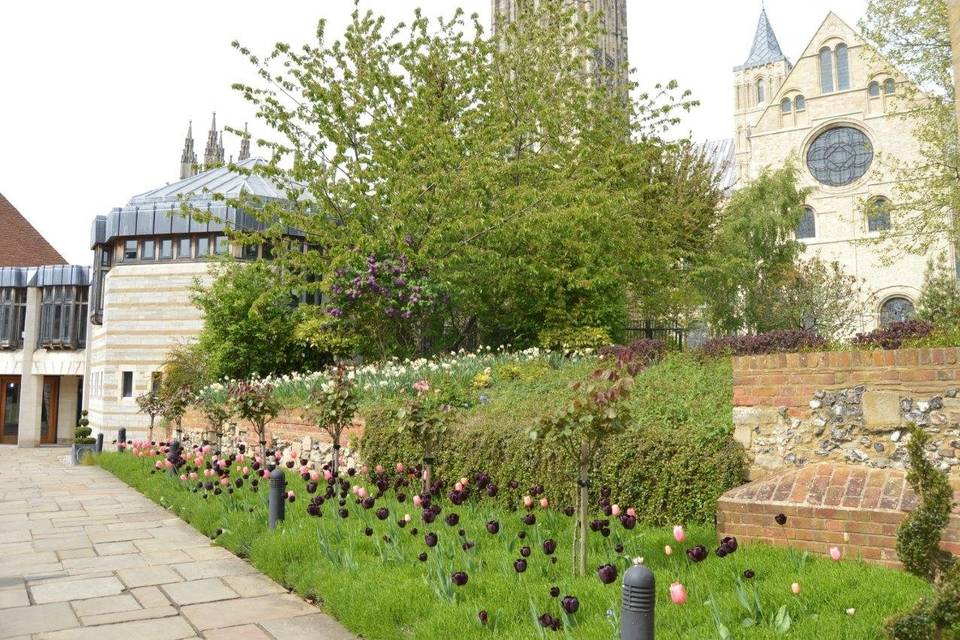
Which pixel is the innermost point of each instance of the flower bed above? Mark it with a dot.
(461, 567)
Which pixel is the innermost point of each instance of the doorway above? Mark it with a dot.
(48, 410)
(9, 409)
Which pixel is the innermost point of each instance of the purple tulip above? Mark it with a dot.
(781, 519)
(570, 604)
(459, 578)
(628, 522)
(482, 616)
(343, 513)
(368, 531)
(430, 539)
(493, 527)
(549, 546)
(520, 565)
(607, 573)
(529, 519)
(595, 525)
(554, 592)
(367, 502)
(422, 557)
(401, 523)
(492, 490)
(748, 574)
(697, 553)
(452, 519)
(382, 513)
(730, 543)
(568, 511)
(525, 551)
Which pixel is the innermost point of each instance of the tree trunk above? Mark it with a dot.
(583, 481)
(335, 463)
(427, 473)
(152, 418)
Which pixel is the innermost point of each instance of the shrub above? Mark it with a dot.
(940, 297)
(574, 338)
(81, 434)
(642, 353)
(894, 335)
(788, 341)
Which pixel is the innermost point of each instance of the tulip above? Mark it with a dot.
(748, 574)
(544, 503)
(492, 490)
(628, 521)
(568, 511)
(618, 548)
(554, 592)
(225, 481)
(458, 487)
(362, 492)
(570, 604)
(343, 513)
(406, 517)
(368, 531)
(698, 553)
(549, 546)
(525, 551)
(527, 500)
(422, 557)
(529, 519)
(836, 554)
(780, 519)
(459, 578)
(607, 573)
(493, 526)
(452, 519)
(193, 475)
(631, 512)
(668, 550)
(291, 496)
(417, 500)
(520, 565)
(382, 513)
(521, 534)
(482, 616)
(399, 467)
(430, 539)
(157, 465)
(679, 534)
(678, 593)
(851, 611)
(729, 543)
(464, 481)
(795, 587)
(615, 510)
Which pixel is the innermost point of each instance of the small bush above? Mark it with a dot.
(81, 434)
(894, 335)
(788, 341)
(574, 338)
(643, 352)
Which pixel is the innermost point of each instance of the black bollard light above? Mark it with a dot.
(174, 456)
(278, 485)
(639, 600)
(99, 446)
(122, 438)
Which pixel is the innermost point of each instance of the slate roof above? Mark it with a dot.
(766, 48)
(722, 155)
(21, 245)
(221, 181)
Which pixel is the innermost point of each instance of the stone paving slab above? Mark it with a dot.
(85, 557)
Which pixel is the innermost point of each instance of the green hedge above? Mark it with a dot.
(672, 467)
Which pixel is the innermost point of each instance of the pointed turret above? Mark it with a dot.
(213, 153)
(188, 159)
(766, 47)
(245, 145)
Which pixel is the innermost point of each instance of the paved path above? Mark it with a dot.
(85, 557)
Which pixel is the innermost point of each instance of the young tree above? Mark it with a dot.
(213, 401)
(175, 405)
(465, 187)
(333, 406)
(253, 400)
(940, 297)
(151, 403)
(426, 417)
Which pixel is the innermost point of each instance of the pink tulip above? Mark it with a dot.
(421, 386)
(314, 476)
(245, 470)
(362, 493)
(679, 534)
(668, 550)
(631, 512)
(240, 458)
(458, 486)
(207, 449)
(379, 469)
(399, 467)
(304, 470)
(327, 474)
(364, 470)
(224, 481)
(291, 495)
(527, 502)
(544, 503)
(168, 464)
(464, 480)
(615, 510)
(417, 500)
(158, 465)
(193, 475)
(183, 477)
(836, 554)
(795, 587)
(222, 464)
(678, 593)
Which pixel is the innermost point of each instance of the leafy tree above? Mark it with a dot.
(254, 401)
(752, 251)
(151, 403)
(333, 407)
(914, 36)
(472, 188)
(940, 297)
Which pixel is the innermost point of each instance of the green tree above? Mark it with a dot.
(940, 297)
(752, 251)
(508, 188)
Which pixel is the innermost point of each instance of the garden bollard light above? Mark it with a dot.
(174, 456)
(99, 448)
(278, 485)
(639, 599)
(122, 439)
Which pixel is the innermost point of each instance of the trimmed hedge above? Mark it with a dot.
(786, 341)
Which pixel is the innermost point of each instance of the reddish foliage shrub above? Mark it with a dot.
(771, 342)
(638, 354)
(894, 335)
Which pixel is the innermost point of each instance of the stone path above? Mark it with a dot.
(85, 557)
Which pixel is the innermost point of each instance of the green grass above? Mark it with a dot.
(380, 590)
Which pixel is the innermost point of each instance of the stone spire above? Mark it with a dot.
(766, 48)
(213, 153)
(188, 159)
(245, 145)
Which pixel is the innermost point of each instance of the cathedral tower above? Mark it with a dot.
(188, 159)
(213, 153)
(244, 145)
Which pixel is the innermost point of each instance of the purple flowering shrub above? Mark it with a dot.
(894, 335)
(786, 341)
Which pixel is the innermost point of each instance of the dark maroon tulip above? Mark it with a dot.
(492, 490)
(466, 546)
(605, 532)
(529, 519)
(513, 484)
(481, 480)
(368, 531)
(459, 578)
(313, 509)
(342, 502)
(521, 534)
(239, 482)
(628, 522)
(241, 448)
(568, 511)
(311, 487)
(452, 519)
(781, 519)
(697, 553)
(290, 464)
(730, 543)
(595, 525)
(570, 604)
(605, 491)
(422, 557)
(351, 471)
(554, 592)
(721, 551)
(401, 497)
(382, 513)
(607, 510)
(618, 548)
(456, 497)
(461, 533)
(429, 516)
(430, 539)
(343, 513)
(607, 573)
(520, 565)
(482, 616)
(549, 546)
(493, 527)
(367, 502)
(525, 551)
(748, 574)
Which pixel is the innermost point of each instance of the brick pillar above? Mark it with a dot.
(31, 386)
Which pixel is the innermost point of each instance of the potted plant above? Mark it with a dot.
(82, 442)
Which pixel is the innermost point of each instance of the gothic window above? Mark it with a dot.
(840, 156)
(878, 215)
(799, 103)
(786, 105)
(889, 86)
(63, 317)
(843, 67)
(761, 98)
(874, 89)
(897, 309)
(13, 311)
(807, 228)
(826, 70)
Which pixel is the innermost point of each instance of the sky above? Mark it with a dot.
(95, 96)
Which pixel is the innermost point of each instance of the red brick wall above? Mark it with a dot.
(289, 426)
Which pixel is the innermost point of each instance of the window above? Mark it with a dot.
(889, 86)
(807, 228)
(878, 215)
(221, 245)
(166, 249)
(897, 309)
(786, 106)
(127, 385)
(203, 247)
(148, 250)
(63, 317)
(156, 379)
(843, 67)
(129, 249)
(761, 98)
(183, 249)
(840, 156)
(799, 103)
(13, 311)
(249, 252)
(874, 89)
(826, 70)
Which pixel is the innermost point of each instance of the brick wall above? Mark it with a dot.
(288, 427)
(801, 408)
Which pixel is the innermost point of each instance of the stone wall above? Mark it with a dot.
(791, 410)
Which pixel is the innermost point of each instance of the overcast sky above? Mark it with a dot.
(95, 96)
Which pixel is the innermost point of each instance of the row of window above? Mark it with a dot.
(185, 248)
(63, 317)
(878, 219)
(798, 104)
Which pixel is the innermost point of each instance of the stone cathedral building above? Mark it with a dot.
(837, 111)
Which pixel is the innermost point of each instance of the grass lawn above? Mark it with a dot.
(376, 586)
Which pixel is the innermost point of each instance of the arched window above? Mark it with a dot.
(826, 70)
(843, 67)
(761, 98)
(807, 228)
(878, 215)
(799, 103)
(889, 86)
(874, 89)
(786, 105)
(897, 309)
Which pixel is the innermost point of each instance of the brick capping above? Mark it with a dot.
(853, 507)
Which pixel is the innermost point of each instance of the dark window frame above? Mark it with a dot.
(126, 384)
(63, 317)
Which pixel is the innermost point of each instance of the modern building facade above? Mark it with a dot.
(838, 112)
(43, 327)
